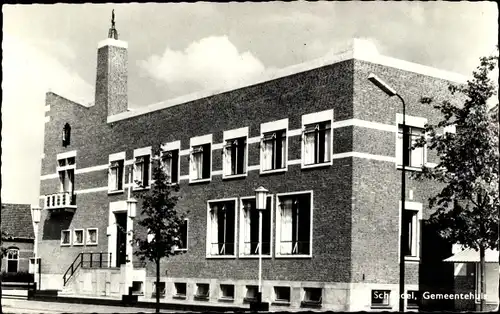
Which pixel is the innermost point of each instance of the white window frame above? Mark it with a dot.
(241, 244)
(410, 121)
(313, 118)
(268, 127)
(198, 141)
(87, 236)
(187, 237)
(141, 152)
(75, 237)
(65, 156)
(12, 259)
(115, 158)
(209, 225)
(278, 225)
(70, 237)
(417, 207)
(172, 146)
(233, 135)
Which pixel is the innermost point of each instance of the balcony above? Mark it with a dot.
(61, 202)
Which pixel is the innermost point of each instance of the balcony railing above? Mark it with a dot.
(63, 200)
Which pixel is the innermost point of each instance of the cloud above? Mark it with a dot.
(210, 63)
(28, 73)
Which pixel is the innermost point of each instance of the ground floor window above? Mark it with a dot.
(221, 227)
(180, 290)
(381, 298)
(202, 291)
(12, 260)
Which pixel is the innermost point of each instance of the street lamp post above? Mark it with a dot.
(131, 213)
(36, 221)
(260, 204)
(391, 92)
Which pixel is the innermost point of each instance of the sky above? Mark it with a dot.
(176, 49)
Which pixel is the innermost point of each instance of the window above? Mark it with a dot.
(317, 143)
(312, 297)
(66, 166)
(116, 175)
(221, 228)
(13, 260)
(66, 237)
(282, 294)
(202, 291)
(170, 164)
(235, 156)
(381, 298)
(161, 286)
(141, 171)
(91, 236)
(200, 162)
(180, 290)
(66, 135)
(294, 224)
(274, 150)
(137, 288)
(249, 243)
(406, 138)
(251, 294)
(227, 292)
(183, 236)
(78, 237)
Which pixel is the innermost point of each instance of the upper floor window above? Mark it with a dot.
(294, 223)
(273, 156)
(183, 235)
(116, 172)
(13, 260)
(221, 227)
(407, 137)
(317, 138)
(66, 165)
(249, 227)
(142, 167)
(170, 161)
(201, 158)
(66, 135)
(235, 152)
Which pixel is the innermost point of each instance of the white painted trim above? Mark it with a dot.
(171, 146)
(411, 121)
(242, 222)
(49, 176)
(217, 146)
(184, 152)
(112, 42)
(91, 169)
(274, 126)
(92, 190)
(47, 108)
(117, 156)
(87, 237)
(364, 156)
(296, 132)
(253, 168)
(294, 162)
(235, 133)
(66, 155)
(142, 151)
(70, 237)
(253, 140)
(200, 140)
(207, 238)
(315, 117)
(74, 237)
(47, 119)
(271, 127)
(278, 225)
(418, 122)
(364, 124)
(414, 206)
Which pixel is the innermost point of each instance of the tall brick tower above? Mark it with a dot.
(111, 78)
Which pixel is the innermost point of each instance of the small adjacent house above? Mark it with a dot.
(18, 238)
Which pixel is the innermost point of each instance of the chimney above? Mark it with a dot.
(111, 78)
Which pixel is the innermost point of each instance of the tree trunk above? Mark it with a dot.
(482, 286)
(157, 285)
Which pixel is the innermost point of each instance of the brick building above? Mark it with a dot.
(18, 238)
(319, 136)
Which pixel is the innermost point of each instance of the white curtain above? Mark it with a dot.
(309, 148)
(417, 155)
(214, 230)
(62, 179)
(138, 171)
(197, 165)
(286, 226)
(328, 137)
(167, 166)
(247, 210)
(227, 160)
(113, 178)
(283, 152)
(69, 180)
(267, 153)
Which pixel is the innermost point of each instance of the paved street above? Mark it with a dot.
(25, 306)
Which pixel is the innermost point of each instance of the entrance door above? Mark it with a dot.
(121, 238)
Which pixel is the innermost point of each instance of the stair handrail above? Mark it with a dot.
(73, 268)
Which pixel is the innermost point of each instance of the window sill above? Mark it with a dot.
(293, 256)
(115, 192)
(412, 259)
(321, 165)
(249, 256)
(141, 188)
(408, 168)
(77, 244)
(281, 303)
(221, 256)
(234, 176)
(199, 180)
(264, 172)
(91, 244)
(201, 297)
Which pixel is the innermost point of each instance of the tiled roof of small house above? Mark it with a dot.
(16, 221)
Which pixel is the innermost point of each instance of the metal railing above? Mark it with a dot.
(252, 248)
(294, 247)
(222, 248)
(87, 260)
(60, 200)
